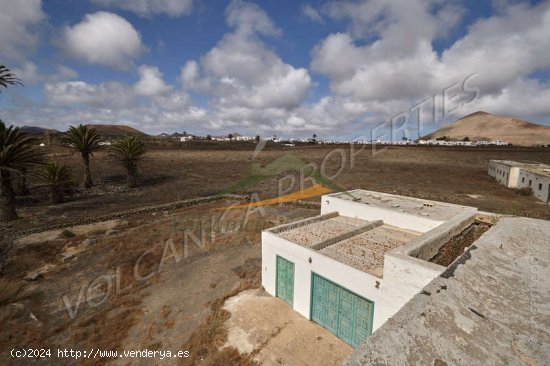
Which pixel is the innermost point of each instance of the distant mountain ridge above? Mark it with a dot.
(38, 131)
(116, 131)
(105, 130)
(485, 126)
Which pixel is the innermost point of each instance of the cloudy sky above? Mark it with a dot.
(291, 68)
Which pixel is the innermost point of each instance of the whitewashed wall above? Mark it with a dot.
(370, 212)
(542, 194)
(504, 173)
(403, 277)
(359, 282)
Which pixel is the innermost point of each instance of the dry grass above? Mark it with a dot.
(33, 257)
(9, 290)
(204, 344)
(120, 314)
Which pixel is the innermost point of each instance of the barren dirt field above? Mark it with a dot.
(456, 175)
(79, 287)
(154, 281)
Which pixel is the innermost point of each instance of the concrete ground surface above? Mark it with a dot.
(274, 334)
(491, 307)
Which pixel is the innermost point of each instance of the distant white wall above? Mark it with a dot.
(364, 211)
(539, 184)
(516, 177)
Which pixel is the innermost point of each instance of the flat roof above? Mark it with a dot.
(358, 243)
(536, 168)
(490, 307)
(543, 170)
(509, 162)
(366, 251)
(319, 231)
(435, 210)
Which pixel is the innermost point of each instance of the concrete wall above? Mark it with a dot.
(426, 246)
(540, 184)
(359, 282)
(369, 212)
(404, 276)
(504, 173)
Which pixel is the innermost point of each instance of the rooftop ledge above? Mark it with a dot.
(364, 244)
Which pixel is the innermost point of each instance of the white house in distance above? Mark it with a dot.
(357, 263)
(523, 175)
(463, 143)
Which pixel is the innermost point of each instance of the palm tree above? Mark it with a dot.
(57, 177)
(86, 141)
(129, 151)
(8, 78)
(21, 183)
(18, 152)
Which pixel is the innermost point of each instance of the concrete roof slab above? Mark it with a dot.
(491, 307)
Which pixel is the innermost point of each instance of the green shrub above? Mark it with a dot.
(525, 191)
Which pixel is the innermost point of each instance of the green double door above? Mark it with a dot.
(285, 280)
(345, 314)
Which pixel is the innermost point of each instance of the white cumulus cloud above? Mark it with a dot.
(249, 84)
(29, 73)
(150, 82)
(399, 66)
(311, 13)
(103, 38)
(17, 22)
(147, 8)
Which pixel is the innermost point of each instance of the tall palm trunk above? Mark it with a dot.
(87, 173)
(22, 187)
(132, 176)
(131, 180)
(7, 198)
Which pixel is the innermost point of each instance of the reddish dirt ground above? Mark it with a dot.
(185, 260)
(456, 175)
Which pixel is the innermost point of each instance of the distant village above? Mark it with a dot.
(442, 141)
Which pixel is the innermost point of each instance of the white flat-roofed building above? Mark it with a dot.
(512, 174)
(357, 263)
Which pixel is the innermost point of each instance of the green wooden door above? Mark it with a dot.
(345, 314)
(285, 280)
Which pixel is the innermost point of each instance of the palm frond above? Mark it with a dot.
(129, 151)
(54, 174)
(18, 151)
(82, 138)
(8, 78)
